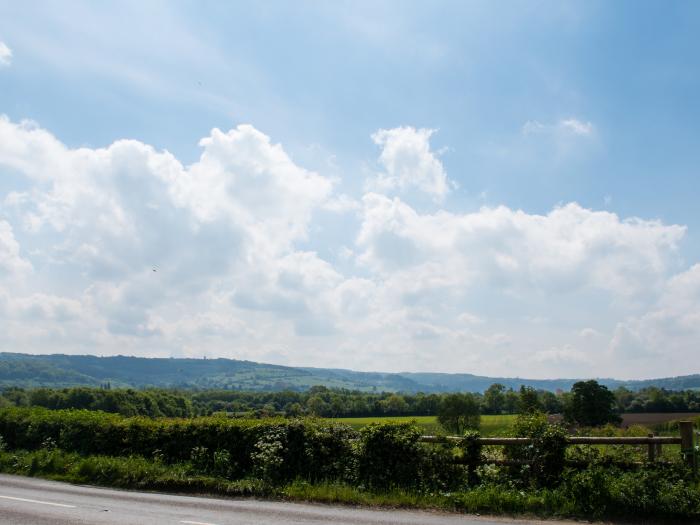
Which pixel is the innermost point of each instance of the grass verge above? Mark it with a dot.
(583, 499)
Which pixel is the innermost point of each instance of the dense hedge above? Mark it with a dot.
(235, 456)
(309, 448)
(274, 450)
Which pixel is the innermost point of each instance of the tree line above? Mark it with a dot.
(326, 402)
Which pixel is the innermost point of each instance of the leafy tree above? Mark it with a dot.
(529, 402)
(494, 399)
(591, 404)
(512, 402)
(459, 412)
(395, 404)
(551, 404)
(317, 406)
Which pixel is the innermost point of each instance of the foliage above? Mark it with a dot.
(661, 491)
(546, 453)
(470, 448)
(590, 404)
(494, 401)
(529, 402)
(490, 425)
(316, 460)
(323, 402)
(389, 455)
(305, 450)
(459, 412)
(215, 444)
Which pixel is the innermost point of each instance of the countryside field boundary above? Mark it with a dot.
(686, 439)
(543, 472)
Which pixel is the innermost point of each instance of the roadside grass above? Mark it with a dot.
(143, 474)
(490, 425)
(132, 472)
(497, 499)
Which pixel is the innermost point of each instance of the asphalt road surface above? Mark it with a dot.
(35, 501)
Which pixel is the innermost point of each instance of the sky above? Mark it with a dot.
(498, 189)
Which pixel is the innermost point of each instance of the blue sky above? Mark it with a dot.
(447, 186)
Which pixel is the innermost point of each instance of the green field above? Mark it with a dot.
(490, 425)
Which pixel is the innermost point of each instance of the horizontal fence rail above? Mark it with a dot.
(654, 444)
(572, 440)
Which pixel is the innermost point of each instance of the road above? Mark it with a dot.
(30, 501)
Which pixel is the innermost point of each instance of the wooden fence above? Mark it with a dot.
(686, 440)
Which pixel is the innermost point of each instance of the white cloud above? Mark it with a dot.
(11, 262)
(5, 55)
(141, 236)
(589, 333)
(568, 249)
(665, 338)
(342, 204)
(470, 319)
(576, 127)
(124, 249)
(409, 162)
(563, 127)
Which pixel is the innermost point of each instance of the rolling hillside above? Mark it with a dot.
(59, 370)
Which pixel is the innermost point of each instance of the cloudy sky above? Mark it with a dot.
(436, 186)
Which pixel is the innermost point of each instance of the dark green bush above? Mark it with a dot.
(665, 491)
(276, 449)
(471, 454)
(589, 491)
(389, 455)
(546, 453)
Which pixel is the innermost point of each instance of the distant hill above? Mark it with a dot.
(59, 370)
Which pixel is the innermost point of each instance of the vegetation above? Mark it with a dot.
(459, 412)
(488, 426)
(591, 405)
(340, 403)
(327, 461)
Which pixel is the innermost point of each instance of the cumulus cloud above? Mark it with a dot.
(665, 336)
(569, 248)
(124, 249)
(409, 163)
(11, 263)
(5, 55)
(140, 234)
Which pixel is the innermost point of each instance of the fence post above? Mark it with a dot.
(688, 445)
(651, 449)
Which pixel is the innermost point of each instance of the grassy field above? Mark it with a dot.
(501, 425)
(490, 425)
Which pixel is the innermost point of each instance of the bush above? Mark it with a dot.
(459, 412)
(471, 454)
(389, 455)
(589, 491)
(546, 454)
(276, 449)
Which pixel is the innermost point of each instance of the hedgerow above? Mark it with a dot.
(316, 459)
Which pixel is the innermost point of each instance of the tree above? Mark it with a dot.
(529, 401)
(395, 404)
(459, 412)
(494, 399)
(591, 404)
(551, 404)
(512, 400)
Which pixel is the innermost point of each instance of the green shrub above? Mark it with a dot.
(276, 449)
(470, 448)
(546, 454)
(588, 491)
(389, 455)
